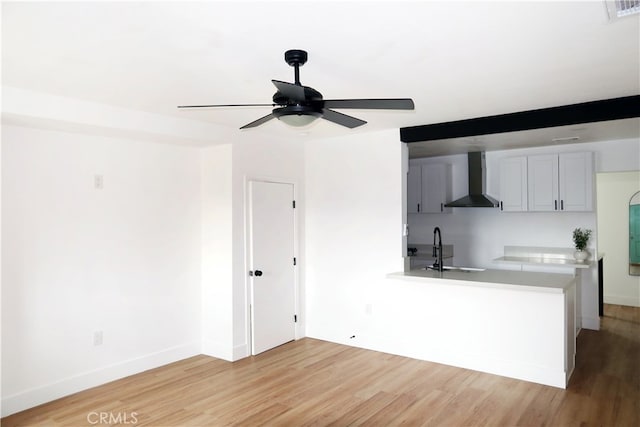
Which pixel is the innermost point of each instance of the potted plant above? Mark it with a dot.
(580, 240)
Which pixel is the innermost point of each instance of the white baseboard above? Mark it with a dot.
(37, 396)
(240, 352)
(221, 351)
(217, 349)
(621, 300)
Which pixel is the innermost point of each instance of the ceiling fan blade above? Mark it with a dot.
(227, 105)
(290, 90)
(341, 119)
(258, 122)
(371, 104)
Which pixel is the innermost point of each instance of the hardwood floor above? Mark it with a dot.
(316, 383)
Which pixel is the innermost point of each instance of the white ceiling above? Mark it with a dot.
(457, 60)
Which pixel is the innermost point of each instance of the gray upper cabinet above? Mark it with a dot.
(575, 181)
(547, 183)
(543, 183)
(561, 182)
(429, 188)
(414, 189)
(513, 184)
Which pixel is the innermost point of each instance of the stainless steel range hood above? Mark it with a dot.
(477, 184)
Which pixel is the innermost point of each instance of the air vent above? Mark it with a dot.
(566, 139)
(619, 8)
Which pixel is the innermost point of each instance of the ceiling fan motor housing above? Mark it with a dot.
(295, 57)
(310, 96)
(299, 110)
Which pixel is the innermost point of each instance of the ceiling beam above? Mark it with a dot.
(586, 112)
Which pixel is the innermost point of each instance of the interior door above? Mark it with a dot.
(272, 275)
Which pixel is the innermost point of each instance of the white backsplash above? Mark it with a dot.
(479, 235)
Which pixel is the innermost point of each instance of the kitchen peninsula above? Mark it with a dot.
(519, 324)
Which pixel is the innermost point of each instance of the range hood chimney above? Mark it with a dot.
(477, 184)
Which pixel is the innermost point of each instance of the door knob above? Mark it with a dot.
(258, 273)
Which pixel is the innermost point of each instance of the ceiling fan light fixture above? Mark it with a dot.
(297, 120)
(297, 115)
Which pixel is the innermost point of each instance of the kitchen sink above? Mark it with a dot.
(463, 269)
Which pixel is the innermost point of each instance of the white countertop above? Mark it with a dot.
(534, 260)
(504, 279)
(532, 255)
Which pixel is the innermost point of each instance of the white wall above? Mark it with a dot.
(353, 230)
(217, 244)
(124, 260)
(1, 365)
(615, 190)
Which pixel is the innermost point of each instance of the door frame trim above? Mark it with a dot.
(298, 306)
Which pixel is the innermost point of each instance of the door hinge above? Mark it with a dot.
(295, 318)
(294, 260)
(294, 204)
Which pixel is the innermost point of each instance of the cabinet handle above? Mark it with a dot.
(561, 205)
(441, 207)
(418, 207)
(501, 207)
(555, 204)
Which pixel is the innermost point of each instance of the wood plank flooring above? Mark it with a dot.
(316, 383)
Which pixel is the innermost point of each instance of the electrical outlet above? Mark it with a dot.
(98, 182)
(368, 309)
(97, 338)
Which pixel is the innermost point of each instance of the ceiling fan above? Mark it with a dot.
(299, 105)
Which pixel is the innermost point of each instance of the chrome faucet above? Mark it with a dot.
(437, 250)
